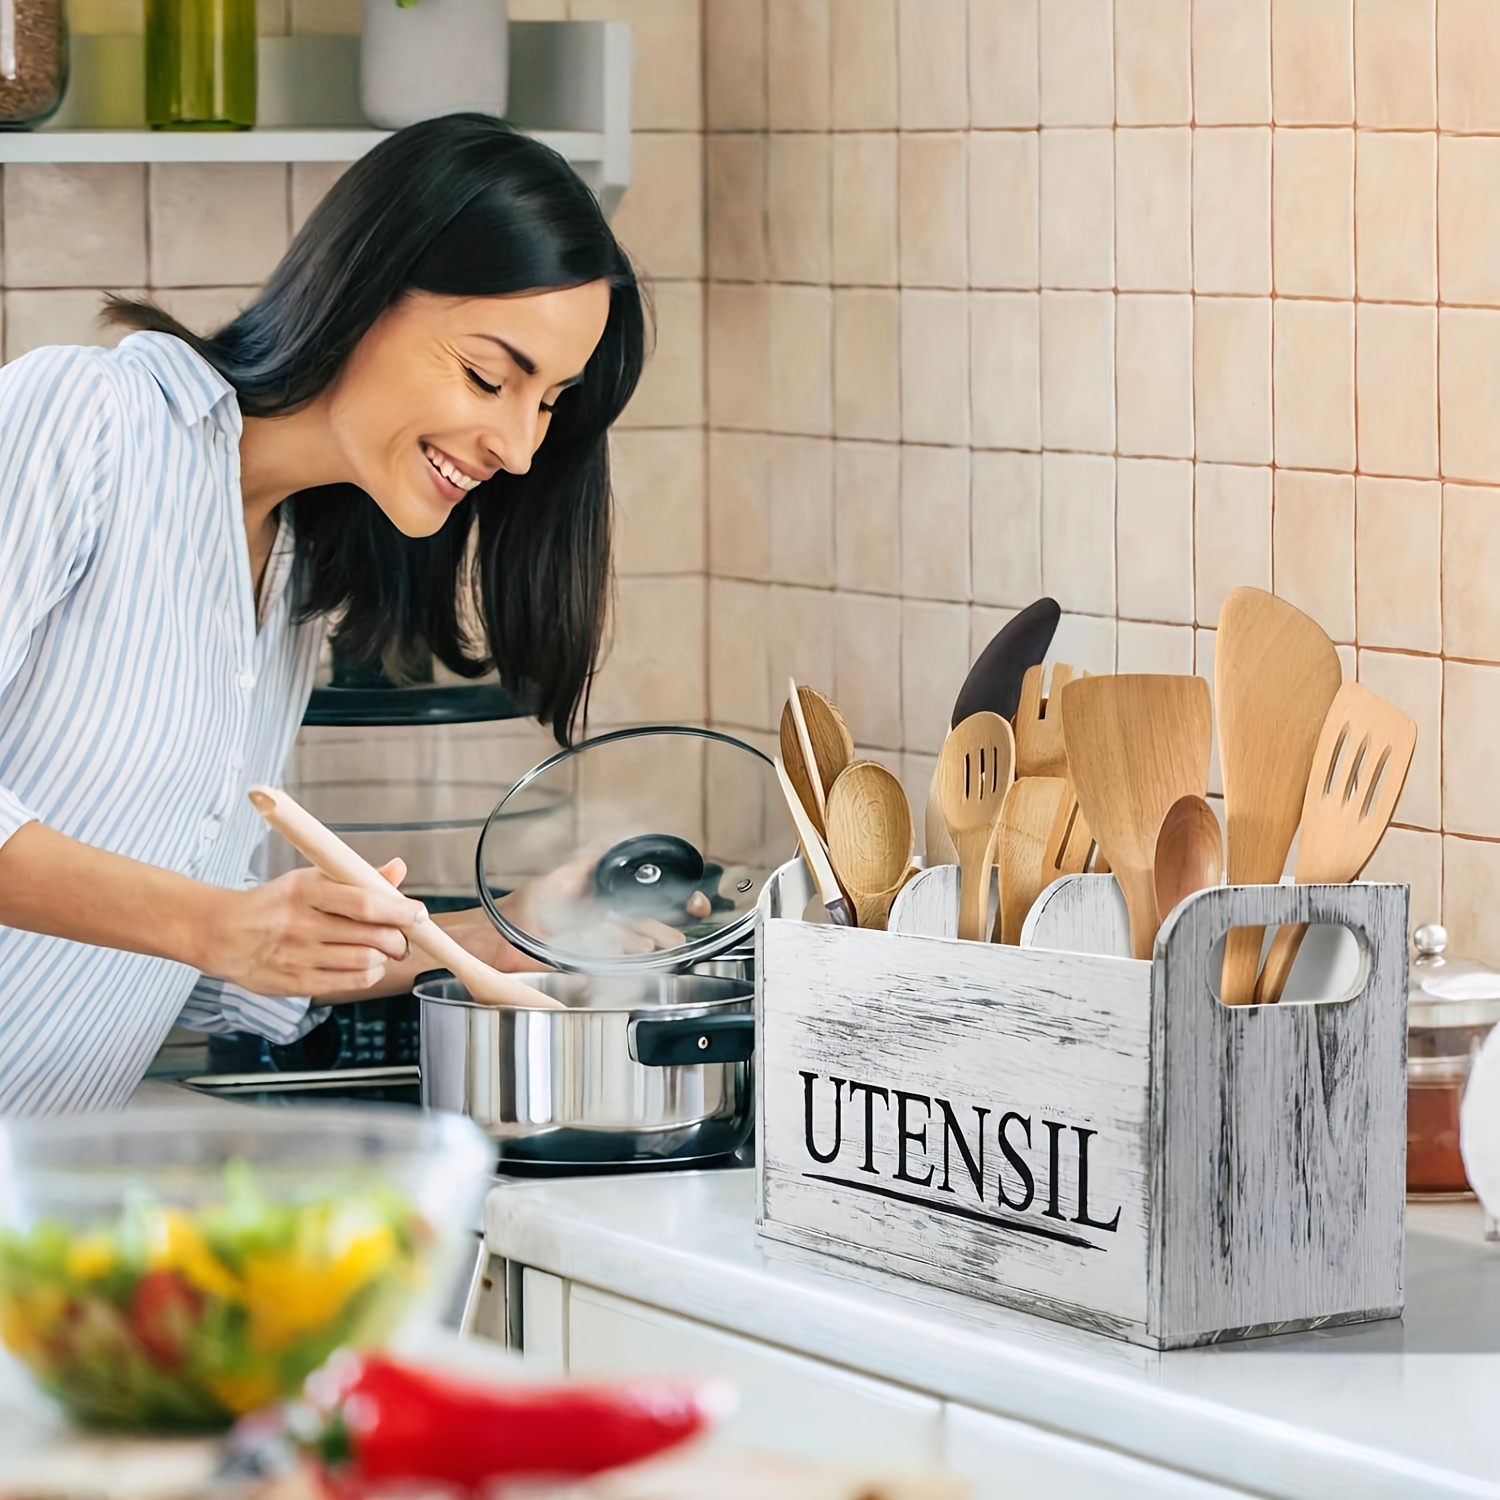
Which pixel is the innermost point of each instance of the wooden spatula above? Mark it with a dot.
(1135, 745)
(1275, 675)
(974, 774)
(812, 727)
(1359, 768)
(1026, 823)
(1039, 738)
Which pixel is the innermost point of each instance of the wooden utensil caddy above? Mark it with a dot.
(1093, 1139)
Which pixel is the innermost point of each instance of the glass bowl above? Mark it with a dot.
(176, 1268)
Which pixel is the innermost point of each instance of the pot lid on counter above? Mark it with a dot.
(641, 849)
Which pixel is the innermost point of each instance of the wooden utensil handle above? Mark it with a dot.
(1241, 959)
(1284, 949)
(975, 860)
(1139, 889)
(339, 862)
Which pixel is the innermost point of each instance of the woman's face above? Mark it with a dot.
(444, 392)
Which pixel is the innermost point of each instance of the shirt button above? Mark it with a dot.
(246, 679)
(211, 827)
(236, 762)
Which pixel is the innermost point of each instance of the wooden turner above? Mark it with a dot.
(974, 775)
(1039, 736)
(1026, 823)
(1359, 768)
(1135, 745)
(339, 862)
(1275, 674)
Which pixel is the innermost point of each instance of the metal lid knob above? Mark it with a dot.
(1430, 940)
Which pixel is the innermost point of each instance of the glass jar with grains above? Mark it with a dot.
(33, 61)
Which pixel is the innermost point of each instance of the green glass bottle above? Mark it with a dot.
(200, 64)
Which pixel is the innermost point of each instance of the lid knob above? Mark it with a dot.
(1430, 939)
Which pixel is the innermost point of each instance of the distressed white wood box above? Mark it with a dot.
(1094, 1139)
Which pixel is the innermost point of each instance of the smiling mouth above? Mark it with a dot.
(447, 469)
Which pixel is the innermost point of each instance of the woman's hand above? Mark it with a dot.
(304, 934)
(564, 905)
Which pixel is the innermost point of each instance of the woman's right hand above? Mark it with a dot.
(304, 934)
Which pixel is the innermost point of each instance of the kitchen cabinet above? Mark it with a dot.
(818, 1410)
(788, 1403)
(1002, 1459)
(544, 1327)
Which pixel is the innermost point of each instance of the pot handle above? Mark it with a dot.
(681, 1041)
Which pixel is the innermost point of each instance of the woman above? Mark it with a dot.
(405, 431)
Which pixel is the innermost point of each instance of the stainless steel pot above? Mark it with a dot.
(638, 1068)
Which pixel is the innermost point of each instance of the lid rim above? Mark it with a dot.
(660, 961)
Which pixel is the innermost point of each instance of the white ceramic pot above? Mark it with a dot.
(436, 57)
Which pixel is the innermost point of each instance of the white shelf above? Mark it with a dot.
(580, 147)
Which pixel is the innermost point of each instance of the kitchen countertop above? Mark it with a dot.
(1382, 1409)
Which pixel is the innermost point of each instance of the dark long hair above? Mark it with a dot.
(461, 206)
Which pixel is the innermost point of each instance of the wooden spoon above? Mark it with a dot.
(974, 775)
(870, 838)
(1135, 745)
(1359, 768)
(1189, 853)
(339, 862)
(1275, 675)
(813, 733)
(1039, 737)
(1026, 823)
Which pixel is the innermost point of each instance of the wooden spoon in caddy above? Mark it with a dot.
(1275, 676)
(993, 686)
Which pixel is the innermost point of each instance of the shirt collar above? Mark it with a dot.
(193, 388)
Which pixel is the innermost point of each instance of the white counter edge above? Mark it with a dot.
(880, 1326)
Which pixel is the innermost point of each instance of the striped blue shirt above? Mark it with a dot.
(141, 690)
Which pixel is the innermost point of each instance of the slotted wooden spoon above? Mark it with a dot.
(1275, 675)
(1189, 853)
(1135, 745)
(870, 838)
(822, 735)
(1071, 842)
(974, 775)
(1026, 823)
(1359, 768)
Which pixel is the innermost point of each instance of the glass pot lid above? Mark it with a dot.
(641, 849)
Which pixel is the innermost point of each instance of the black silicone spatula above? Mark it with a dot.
(994, 681)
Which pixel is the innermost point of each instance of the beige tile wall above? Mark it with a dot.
(201, 239)
(1131, 302)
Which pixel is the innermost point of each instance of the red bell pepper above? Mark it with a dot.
(393, 1422)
